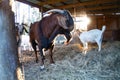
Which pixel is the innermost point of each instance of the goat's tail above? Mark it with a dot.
(103, 28)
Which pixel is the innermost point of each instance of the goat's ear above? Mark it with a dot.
(77, 30)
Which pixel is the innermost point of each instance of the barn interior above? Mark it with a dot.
(104, 12)
(70, 62)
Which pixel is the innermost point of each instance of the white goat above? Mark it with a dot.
(25, 43)
(93, 36)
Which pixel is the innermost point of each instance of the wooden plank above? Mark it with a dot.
(109, 12)
(103, 7)
(0, 1)
(29, 3)
(32, 4)
(39, 4)
(99, 9)
(116, 34)
(50, 2)
(96, 2)
(108, 35)
(33, 1)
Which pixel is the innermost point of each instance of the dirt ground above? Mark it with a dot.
(72, 64)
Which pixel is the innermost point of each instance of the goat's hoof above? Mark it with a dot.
(37, 61)
(52, 64)
(43, 58)
(42, 68)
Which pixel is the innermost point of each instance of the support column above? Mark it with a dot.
(8, 46)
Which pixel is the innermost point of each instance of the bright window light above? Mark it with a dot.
(82, 23)
(25, 13)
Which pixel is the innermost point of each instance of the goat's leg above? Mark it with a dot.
(99, 44)
(42, 59)
(85, 47)
(53, 35)
(33, 43)
(51, 54)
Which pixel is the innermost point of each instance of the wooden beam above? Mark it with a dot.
(96, 2)
(102, 12)
(103, 7)
(50, 2)
(29, 3)
(33, 1)
(32, 4)
(40, 4)
(100, 9)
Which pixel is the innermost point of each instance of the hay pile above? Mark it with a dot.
(72, 64)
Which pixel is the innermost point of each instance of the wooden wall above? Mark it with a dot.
(112, 23)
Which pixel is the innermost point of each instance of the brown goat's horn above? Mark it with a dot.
(55, 10)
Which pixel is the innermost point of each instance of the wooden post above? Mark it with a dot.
(8, 46)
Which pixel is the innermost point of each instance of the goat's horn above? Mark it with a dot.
(55, 10)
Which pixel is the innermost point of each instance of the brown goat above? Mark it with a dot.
(42, 33)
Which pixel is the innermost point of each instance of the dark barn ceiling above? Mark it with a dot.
(89, 6)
